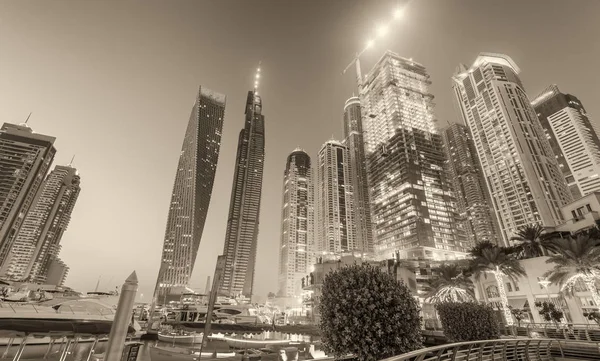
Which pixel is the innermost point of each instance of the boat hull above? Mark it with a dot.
(181, 339)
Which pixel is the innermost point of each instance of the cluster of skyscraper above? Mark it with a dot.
(36, 206)
(192, 192)
(395, 186)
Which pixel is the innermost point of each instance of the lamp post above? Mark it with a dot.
(545, 284)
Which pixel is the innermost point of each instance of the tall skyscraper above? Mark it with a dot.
(412, 205)
(573, 139)
(244, 209)
(25, 158)
(192, 191)
(472, 197)
(336, 226)
(353, 139)
(296, 252)
(518, 164)
(37, 243)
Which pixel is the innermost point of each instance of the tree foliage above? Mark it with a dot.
(532, 241)
(448, 284)
(467, 321)
(576, 259)
(365, 312)
(549, 312)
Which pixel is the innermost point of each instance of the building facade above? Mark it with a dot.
(353, 139)
(336, 225)
(192, 191)
(57, 273)
(25, 158)
(518, 164)
(297, 248)
(472, 197)
(573, 139)
(244, 208)
(412, 206)
(37, 243)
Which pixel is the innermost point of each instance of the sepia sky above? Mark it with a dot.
(114, 81)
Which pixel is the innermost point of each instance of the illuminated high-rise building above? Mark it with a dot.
(244, 208)
(37, 243)
(25, 158)
(472, 197)
(521, 172)
(412, 205)
(296, 252)
(192, 191)
(335, 225)
(573, 139)
(353, 139)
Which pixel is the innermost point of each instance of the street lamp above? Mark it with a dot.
(545, 284)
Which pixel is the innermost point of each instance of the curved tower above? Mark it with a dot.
(192, 191)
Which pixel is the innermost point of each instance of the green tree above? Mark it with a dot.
(365, 312)
(519, 314)
(467, 321)
(576, 260)
(449, 283)
(532, 241)
(549, 312)
(500, 262)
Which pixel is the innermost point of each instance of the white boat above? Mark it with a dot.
(180, 354)
(237, 314)
(177, 338)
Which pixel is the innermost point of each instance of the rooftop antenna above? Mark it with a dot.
(26, 120)
(72, 159)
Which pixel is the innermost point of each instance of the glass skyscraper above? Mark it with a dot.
(520, 169)
(413, 208)
(336, 225)
(573, 139)
(472, 196)
(192, 191)
(38, 241)
(244, 208)
(353, 139)
(296, 252)
(25, 158)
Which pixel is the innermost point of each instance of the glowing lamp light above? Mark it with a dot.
(398, 13)
(382, 30)
(257, 76)
(370, 43)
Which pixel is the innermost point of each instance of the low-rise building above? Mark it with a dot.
(526, 291)
(581, 214)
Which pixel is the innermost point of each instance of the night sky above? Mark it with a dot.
(115, 81)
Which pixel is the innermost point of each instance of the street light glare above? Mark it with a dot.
(398, 13)
(382, 30)
(370, 43)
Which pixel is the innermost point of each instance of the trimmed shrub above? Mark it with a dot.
(365, 312)
(467, 321)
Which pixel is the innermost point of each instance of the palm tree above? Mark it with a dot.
(576, 259)
(450, 284)
(500, 262)
(533, 241)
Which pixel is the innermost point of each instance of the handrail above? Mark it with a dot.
(505, 349)
(575, 332)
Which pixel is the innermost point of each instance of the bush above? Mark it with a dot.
(365, 312)
(549, 312)
(467, 321)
